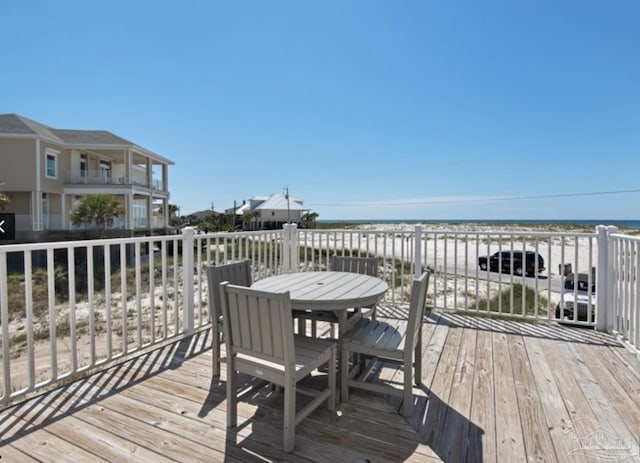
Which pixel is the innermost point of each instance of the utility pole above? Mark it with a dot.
(286, 195)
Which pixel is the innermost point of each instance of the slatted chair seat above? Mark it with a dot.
(258, 327)
(237, 273)
(378, 336)
(379, 341)
(362, 265)
(307, 350)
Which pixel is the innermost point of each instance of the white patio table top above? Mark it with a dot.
(325, 290)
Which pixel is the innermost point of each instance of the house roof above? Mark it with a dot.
(278, 202)
(205, 213)
(14, 124)
(17, 125)
(90, 137)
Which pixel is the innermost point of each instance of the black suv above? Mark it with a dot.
(516, 262)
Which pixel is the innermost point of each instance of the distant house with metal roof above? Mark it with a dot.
(45, 171)
(271, 212)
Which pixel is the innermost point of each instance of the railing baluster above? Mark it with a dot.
(28, 300)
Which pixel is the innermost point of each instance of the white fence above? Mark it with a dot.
(623, 313)
(70, 308)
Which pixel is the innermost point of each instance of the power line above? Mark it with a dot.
(475, 200)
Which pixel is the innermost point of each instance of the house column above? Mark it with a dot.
(128, 199)
(149, 212)
(165, 177)
(127, 167)
(149, 172)
(64, 218)
(36, 196)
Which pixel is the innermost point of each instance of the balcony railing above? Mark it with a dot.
(97, 177)
(110, 299)
(59, 222)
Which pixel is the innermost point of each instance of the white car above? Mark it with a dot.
(583, 297)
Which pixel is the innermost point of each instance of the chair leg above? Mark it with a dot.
(232, 393)
(407, 392)
(417, 359)
(289, 426)
(344, 373)
(215, 348)
(302, 326)
(331, 405)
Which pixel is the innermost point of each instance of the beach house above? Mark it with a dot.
(270, 212)
(44, 171)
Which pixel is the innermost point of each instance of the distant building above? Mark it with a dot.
(45, 171)
(271, 212)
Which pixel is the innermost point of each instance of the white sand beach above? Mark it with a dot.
(454, 248)
(460, 244)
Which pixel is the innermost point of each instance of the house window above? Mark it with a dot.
(51, 157)
(105, 170)
(83, 166)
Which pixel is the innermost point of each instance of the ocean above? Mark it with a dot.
(588, 223)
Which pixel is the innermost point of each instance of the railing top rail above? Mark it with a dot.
(625, 237)
(455, 232)
(236, 233)
(85, 243)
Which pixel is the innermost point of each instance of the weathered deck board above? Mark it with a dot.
(482, 443)
(508, 433)
(558, 420)
(537, 440)
(492, 391)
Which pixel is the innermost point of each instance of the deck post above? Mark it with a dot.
(290, 254)
(187, 278)
(295, 247)
(286, 249)
(417, 252)
(604, 303)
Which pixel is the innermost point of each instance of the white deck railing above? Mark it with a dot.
(70, 308)
(623, 314)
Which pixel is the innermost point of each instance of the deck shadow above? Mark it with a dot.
(367, 428)
(50, 406)
(542, 330)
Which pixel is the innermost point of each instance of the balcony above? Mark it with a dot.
(103, 177)
(59, 222)
(130, 369)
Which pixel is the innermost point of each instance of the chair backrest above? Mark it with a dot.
(417, 305)
(363, 265)
(258, 324)
(236, 273)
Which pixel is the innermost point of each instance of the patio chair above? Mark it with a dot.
(362, 265)
(258, 327)
(376, 340)
(237, 273)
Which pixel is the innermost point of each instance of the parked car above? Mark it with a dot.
(582, 296)
(517, 262)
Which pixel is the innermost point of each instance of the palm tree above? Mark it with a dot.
(174, 220)
(248, 217)
(97, 209)
(309, 220)
(4, 200)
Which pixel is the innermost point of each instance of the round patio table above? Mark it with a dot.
(327, 291)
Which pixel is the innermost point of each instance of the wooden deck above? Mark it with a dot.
(493, 391)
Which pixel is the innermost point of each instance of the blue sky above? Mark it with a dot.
(364, 109)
